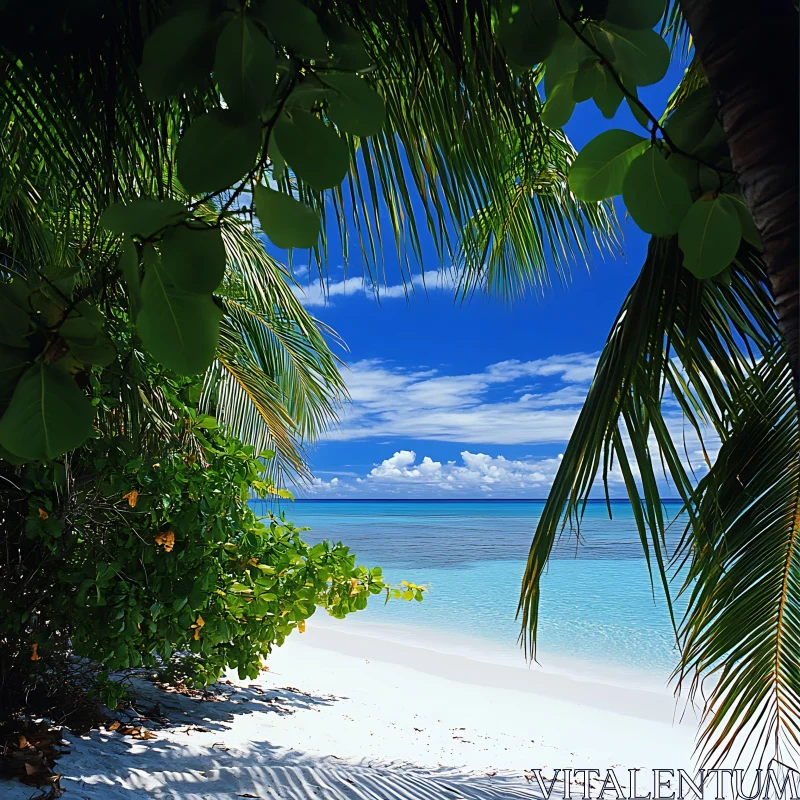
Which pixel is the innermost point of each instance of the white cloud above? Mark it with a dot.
(425, 404)
(318, 293)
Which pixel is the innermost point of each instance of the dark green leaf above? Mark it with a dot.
(637, 14)
(528, 30)
(599, 170)
(641, 57)
(560, 103)
(607, 96)
(216, 151)
(355, 106)
(749, 230)
(13, 361)
(98, 350)
(245, 66)
(47, 416)
(178, 55)
(568, 53)
(129, 267)
(692, 120)
(194, 258)
(709, 236)
(586, 80)
(15, 322)
(655, 196)
(178, 328)
(314, 151)
(637, 111)
(288, 222)
(347, 45)
(142, 216)
(296, 28)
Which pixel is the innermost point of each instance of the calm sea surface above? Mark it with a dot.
(598, 604)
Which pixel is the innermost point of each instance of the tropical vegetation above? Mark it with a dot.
(149, 146)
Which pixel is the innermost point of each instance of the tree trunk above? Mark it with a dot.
(749, 51)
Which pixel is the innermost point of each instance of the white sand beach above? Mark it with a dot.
(345, 716)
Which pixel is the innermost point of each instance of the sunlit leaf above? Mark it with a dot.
(194, 258)
(709, 236)
(143, 216)
(600, 168)
(288, 222)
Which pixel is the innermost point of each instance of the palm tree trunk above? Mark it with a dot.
(749, 51)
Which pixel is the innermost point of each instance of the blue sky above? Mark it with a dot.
(474, 399)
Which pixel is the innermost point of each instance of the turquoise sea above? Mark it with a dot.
(598, 606)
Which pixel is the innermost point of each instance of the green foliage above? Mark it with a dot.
(288, 222)
(528, 30)
(709, 235)
(194, 258)
(600, 168)
(143, 216)
(655, 196)
(354, 106)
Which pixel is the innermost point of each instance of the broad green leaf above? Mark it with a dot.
(750, 232)
(47, 416)
(569, 52)
(638, 14)
(288, 222)
(13, 361)
(641, 57)
(314, 151)
(296, 28)
(687, 168)
(15, 322)
(194, 258)
(655, 196)
(142, 216)
(586, 80)
(636, 109)
(98, 350)
(607, 96)
(355, 106)
(178, 328)
(307, 93)
(599, 170)
(178, 55)
(245, 66)
(528, 30)
(560, 103)
(129, 267)
(709, 236)
(347, 45)
(217, 150)
(689, 124)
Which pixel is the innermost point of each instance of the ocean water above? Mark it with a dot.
(598, 606)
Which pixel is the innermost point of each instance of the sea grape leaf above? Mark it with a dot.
(296, 27)
(655, 196)
(528, 30)
(142, 216)
(568, 53)
(194, 258)
(637, 14)
(709, 236)
(355, 106)
(13, 361)
(599, 169)
(638, 112)
(178, 55)
(129, 267)
(607, 95)
(47, 415)
(750, 232)
(15, 321)
(314, 151)
(641, 57)
(245, 66)
(347, 45)
(586, 80)
(288, 222)
(216, 150)
(178, 328)
(560, 102)
(688, 125)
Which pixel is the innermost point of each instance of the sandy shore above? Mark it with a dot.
(343, 716)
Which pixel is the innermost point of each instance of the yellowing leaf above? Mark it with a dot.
(34, 652)
(43, 514)
(166, 539)
(131, 497)
(301, 626)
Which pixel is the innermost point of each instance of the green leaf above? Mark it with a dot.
(296, 28)
(47, 416)
(750, 232)
(13, 361)
(607, 95)
(142, 216)
(217, 150)
(586, 80)
(87, 343)
(636, 109)
(288, 222)
(314, 151)
(245, 66)
(691, 121)
(709, 236)
(568, 53)
(194, 258)
(640, 57)
(355, 107)
(528, 30)
(638, 14)
(599, 170)
(129, 267)
(655, 196)
(15, 322)
(347, 45)
(178, 55)
(560, 102)
(178, 328)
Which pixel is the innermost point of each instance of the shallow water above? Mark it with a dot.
(598, 603)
